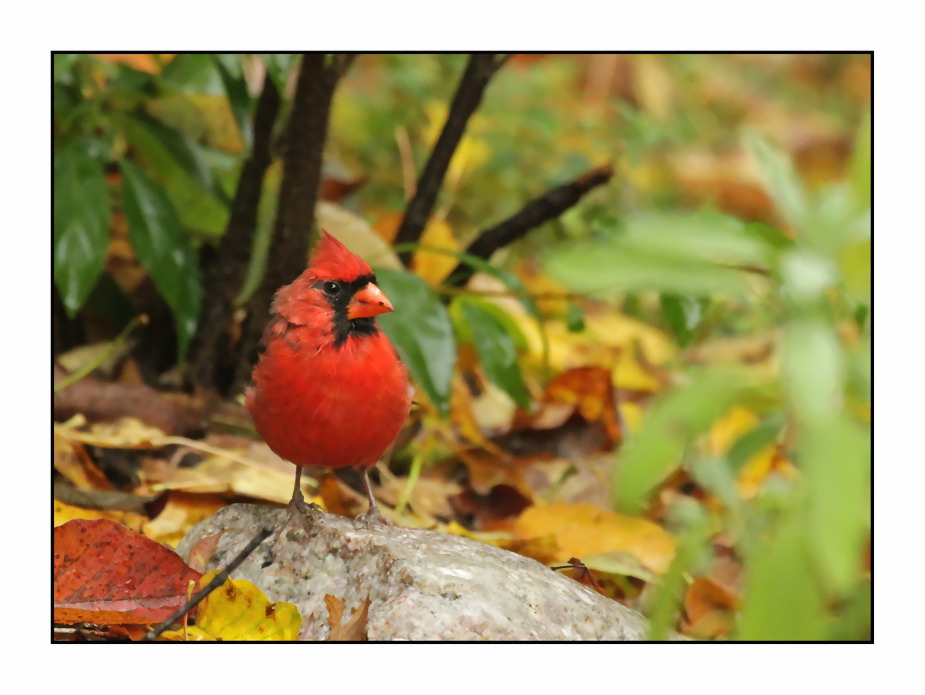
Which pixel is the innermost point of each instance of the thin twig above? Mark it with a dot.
(406, 156)
(225, 274)
(479, 71)
(216, 582)
(539, 210)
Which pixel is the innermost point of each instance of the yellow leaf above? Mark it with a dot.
(194, 633)
(583, 529)
(66, 512)
(181, 513)
(471, 152)
(757, 469)
(434, 267)
(727, 430)
(238, 610)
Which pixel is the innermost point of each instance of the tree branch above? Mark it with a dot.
(293, 229)
(216, 582)
(547, 207)
(212, 358)
(479, 71)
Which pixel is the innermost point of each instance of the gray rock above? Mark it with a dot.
(423, 585)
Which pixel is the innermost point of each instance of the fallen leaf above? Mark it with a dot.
(354, 630)
(106, 574)
(501, 502)
(65, 512)
(337, 498)
(74, 463)
(238, 611)
(581, 530)
(709, 608)
(202, 552)
(759, 467)
(180, 514)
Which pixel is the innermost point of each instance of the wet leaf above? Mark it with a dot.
(81, 224)
(164, 249)
(106, 574)
(238, 611)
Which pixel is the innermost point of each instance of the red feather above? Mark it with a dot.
(316, 402)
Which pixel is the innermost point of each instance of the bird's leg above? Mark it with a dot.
(297, 503)
(373, 513)
(298, 509)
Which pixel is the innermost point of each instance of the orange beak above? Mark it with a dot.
(369, 301)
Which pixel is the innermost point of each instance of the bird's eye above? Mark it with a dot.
(331, 288)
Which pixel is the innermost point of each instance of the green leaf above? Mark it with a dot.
(186, 153)
(755, 440)
(495, 348)
(81, 224)
(163, 248)
(421, 330)
(62, 64)
(782, 600)
(684, 314)
(812, 369)
(191, 188)
(574, 318)
(861, 164)
(780, 180)
(706, 236)
(510, 280)
(278, 67)
(835, 455)
(238, 98)
(657, 450)
(191, 73)
(691, 549)
(613, 265)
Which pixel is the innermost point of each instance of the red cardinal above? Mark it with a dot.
(329, 389)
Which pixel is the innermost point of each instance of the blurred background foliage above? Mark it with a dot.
(669, 381)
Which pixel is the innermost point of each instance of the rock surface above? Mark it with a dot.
(423, 585)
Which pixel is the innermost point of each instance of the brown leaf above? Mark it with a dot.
(502, 502)
(74, 463)
(704, 596)
(354, 630)
(106, 574)
(202, 552)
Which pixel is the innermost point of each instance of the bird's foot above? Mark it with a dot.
(372, 517)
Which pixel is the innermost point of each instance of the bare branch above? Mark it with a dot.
(479, 71)
(212, 359)
(547, 207)
(216, 582)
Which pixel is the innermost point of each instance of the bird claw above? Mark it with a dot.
(371, 517)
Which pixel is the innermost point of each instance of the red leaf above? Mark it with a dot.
(106, 574)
